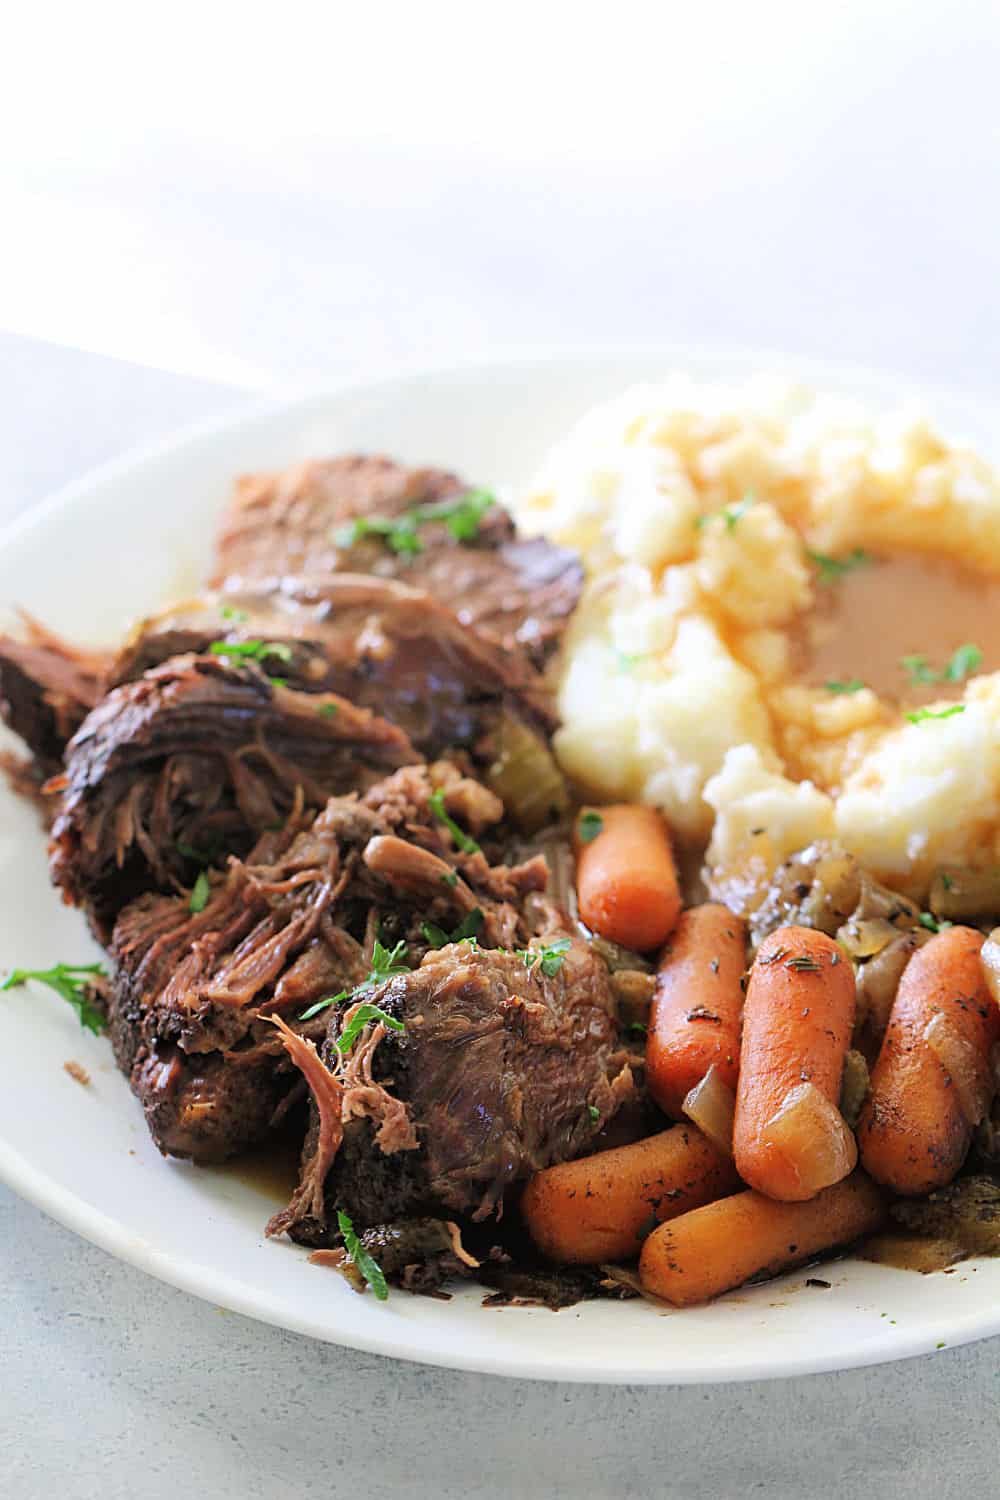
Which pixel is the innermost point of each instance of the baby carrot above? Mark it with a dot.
(694, 1020)
(789, 1138)
(932, 1082)
(600, 1207)
(626, 879)
(714, 1249)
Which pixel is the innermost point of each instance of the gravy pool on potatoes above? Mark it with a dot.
(864, 624)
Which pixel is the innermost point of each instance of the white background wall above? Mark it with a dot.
(274, 193)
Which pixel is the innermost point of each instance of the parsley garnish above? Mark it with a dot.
(466, 931)
(832, 569)
(961, 664)
(803, 963)
(966, 660)
(327, 710)
(365, 1013)
(928, 920)
(921, 714)
(71, 982)
(320, 1005)
(386, 964)
(237, 616)
(730, 514)
(635, 1028)
(589, 826)
(251, 650)
(200, 894)
(918, 670)
(852, 685)
(450, 879)
(462, 517)
(549, 959)
(366, 1264)
(465, 844)
(595, 1113)
(947, 881)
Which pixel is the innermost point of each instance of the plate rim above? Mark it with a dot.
(208, 1282)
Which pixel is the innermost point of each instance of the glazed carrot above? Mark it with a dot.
(714, 1249)
(695, 1017)
(932, 1082)
(626, 879)
(789, 1138)
(600, 1207)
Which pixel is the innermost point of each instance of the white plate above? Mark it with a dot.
(133, 534)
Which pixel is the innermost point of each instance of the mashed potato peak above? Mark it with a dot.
(713, 521)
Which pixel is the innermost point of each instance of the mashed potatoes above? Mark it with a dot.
(720, 527)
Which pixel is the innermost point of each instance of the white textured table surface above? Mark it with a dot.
(113, 1385)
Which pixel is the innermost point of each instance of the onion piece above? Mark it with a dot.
(864, 938)
(711, 1105)
(807, 1118)
(963, 1065)
(854, 1086)
(990, 958)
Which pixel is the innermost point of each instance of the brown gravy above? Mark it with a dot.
(911, 1252)
(271, 1170)
(868, 619)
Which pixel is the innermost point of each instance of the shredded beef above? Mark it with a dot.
(192, 763)
(47, 687)
(379, 642)
(503, 1070)
(290, 926)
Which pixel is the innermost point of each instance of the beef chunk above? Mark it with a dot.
(378, 642)
(193, 991)
(196, 760)
(382, 644)
(295, 523)
(47, 687)
(502, 1069)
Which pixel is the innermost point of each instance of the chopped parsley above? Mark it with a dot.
(251, 650)
(627, 659)
(466, 932)
(236, 616)
(852, 685)
(803, 963)
(920, 715)
(450, 879)
(328, 710)
(366, 1264)
(961, 664)
(833, 569)
(200, 894)
(932, 923)
(966, 660)
(386, 964)
(365, 1013)
(635, 1028)
(730, 515)
(462, 516)
(463, 842)
(549, 959)
(918, 670)
(71, 982)
(947, 881)
(589, 825)
(594, 1112)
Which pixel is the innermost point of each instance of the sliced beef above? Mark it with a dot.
(378, 642)
(193, 991)
(501, 1069)
(47, 687)
(192, 763)
(296, 522)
